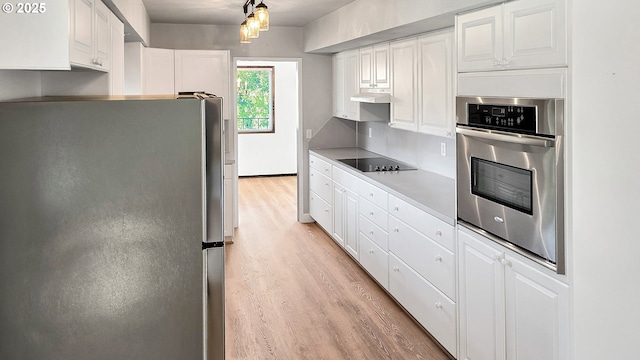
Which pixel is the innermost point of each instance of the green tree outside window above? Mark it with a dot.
(255, 101)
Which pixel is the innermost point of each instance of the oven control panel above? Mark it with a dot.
(503, 117)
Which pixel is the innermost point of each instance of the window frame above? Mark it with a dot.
(272, 73)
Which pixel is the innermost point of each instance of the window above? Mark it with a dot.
(255, 86)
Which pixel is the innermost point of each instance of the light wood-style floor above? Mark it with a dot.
(293, 293)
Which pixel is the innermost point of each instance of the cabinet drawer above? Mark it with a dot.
(378, 216)
(345, 179)
(321, 185)
(434, 262)
(321, 212)
(373, 232)
(427, 224)
(374, 194)
(322, 166)
(374, 260)
(435, 311)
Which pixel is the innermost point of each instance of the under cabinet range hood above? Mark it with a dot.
(372, 97)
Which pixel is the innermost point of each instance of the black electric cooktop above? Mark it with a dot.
(376, 164)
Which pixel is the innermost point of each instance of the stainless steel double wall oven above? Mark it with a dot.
(510, 174)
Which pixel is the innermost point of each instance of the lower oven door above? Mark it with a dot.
(508, 187)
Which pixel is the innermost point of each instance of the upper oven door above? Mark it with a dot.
(507, 186)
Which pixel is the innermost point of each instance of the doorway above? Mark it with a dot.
(277, 152)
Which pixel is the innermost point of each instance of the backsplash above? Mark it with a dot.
(421, 150)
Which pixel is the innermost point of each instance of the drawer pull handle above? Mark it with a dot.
(396, 230)
(395, 208)
(371, 213)
(371, 194)
(396, 269)
(438, 305)
(370, 232)
(439, 258)
(439, 232)
(371, 251)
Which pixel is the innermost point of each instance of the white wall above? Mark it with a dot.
(603, 180)
(273, 153)
(15, 84)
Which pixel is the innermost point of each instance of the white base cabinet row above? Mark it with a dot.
(406, 250)
(478, 299)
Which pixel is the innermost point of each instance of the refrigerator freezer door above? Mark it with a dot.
(214, 297)
(101, 217)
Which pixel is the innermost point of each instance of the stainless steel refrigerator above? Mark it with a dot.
(111, 238)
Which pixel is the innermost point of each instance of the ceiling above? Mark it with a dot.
(229, 12)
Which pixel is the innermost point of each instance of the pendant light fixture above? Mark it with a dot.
(262, 13)
(255, 22)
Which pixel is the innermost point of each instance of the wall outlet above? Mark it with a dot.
(370, 132)
(443, 149)
(309, 133)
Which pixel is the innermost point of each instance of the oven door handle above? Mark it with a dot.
(510, 138)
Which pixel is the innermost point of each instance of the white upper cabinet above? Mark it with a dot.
(436, 78)
(404, 87)
(422, 83)
(345, 85)
(204, 70)
(374, 67)
(516, 35)
(89, 34)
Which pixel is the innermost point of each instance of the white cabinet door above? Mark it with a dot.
(480, 300)
(102, 34)
(381, 66)
(537, 309)
(479, 36)
(345, 85)
(374, 67)
(351, 223)
(404, 104)
(81, 31)
(338, 68)
(535, 34)
(339, 213)
(204, 70)
(436, 84)
(158, 71)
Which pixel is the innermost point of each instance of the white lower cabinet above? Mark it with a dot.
(509, 309)
(434, 310)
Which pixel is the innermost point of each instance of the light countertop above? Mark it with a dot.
(430, 192)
